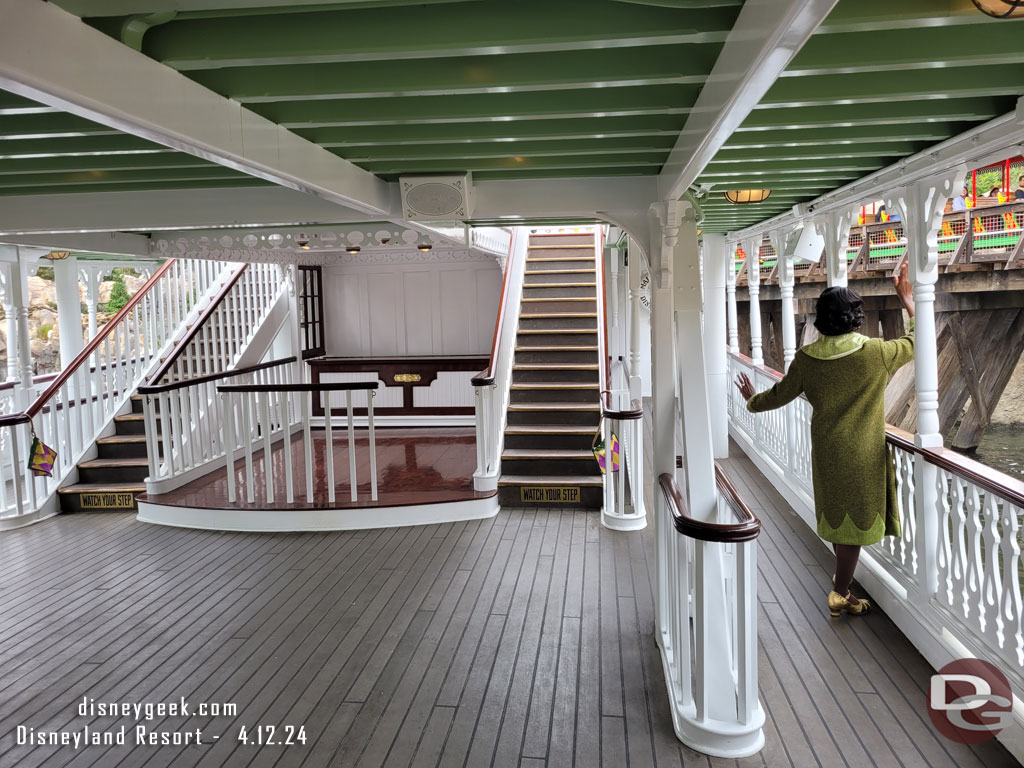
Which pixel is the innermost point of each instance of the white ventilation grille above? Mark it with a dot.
(432, 198)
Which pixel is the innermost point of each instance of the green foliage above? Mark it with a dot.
(46, 273)
(51, 304)
(120, 272)
(118, 296)
(43, 331)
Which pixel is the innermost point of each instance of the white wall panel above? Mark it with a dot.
(450, 388)
(411, 309)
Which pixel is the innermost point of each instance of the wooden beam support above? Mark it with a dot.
(969, 369)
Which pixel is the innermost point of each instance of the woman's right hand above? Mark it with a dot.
(745, 387)
(904, 290)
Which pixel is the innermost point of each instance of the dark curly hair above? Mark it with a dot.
(839, 310)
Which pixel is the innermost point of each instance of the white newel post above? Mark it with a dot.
(716, 258)
(69, 309)
(920, 206)
(753, 249)
(786, 282)
(835, 228)
(730, 301)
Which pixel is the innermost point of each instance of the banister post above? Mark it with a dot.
(730, 298)
(920, 206)
(715, 267)
(69, 309)
(753, 248)
(780, 243)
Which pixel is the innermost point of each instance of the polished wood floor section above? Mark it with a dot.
(523, 640)
(424, 465)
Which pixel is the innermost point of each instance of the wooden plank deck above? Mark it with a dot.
(524, 640)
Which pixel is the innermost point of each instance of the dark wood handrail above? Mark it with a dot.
(12, 383)
(636, 409)
(335, 386)
(747, 529)
(217, 300)
(486, 377)
(65, 375)
(990, 479)
(156, 389)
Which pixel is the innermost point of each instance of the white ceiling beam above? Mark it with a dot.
(121, 243)
(550, 198)
(166, 209)
(766, 36)
(51, 56)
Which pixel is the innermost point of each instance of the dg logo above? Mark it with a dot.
(970, 701)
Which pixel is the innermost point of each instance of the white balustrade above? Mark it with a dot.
(497, 240)
(978, 514)
(258, 415)
(188, 441)
(78, 404)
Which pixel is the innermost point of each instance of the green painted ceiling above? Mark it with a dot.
(536, 89)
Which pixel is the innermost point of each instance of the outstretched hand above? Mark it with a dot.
(904, 290)
(745, 387)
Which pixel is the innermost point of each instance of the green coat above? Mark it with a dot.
(844, 379)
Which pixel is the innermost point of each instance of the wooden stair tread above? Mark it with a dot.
(559, 271)
(559, 298)
(546, 453)
(555, 385)
(554, 331)
(130, 462)
(569, 406)
(556, 258)
(559, 285)
(133, 417)
(563, 247)
(555, 366)
(103, 488)
(557, 349)
(121, 439)
(550, 480)
(549, 429)
(555, 315)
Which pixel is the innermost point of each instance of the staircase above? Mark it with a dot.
(112, 481)
(554, 409)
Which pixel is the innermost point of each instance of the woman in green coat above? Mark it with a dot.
(843, 375)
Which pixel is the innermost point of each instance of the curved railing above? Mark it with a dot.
(80, 401)
(707, 620)
(957, 561)
(265, 413)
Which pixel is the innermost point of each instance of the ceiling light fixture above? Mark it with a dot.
(353, 249)
(744, 196)
(424, 247)
(1001, 9)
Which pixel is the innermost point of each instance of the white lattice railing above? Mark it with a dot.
(958, 560)
(181, 406)
(79, 403)
(491, 239)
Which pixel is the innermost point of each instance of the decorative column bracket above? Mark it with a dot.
(835, 228)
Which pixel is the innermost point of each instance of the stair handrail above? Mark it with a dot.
(169, 386)
(608, 411)
(83, 357)
(486, 377)
(192, 332)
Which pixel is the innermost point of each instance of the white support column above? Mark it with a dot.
(615, 335)
(18, 341)
(663, 381)
(786, 281)
(69, 309)
(716, 258)
(835, 228)
(290, 274)
(635, 292)
(8, 270)
(90, 276)
(730, 296)
(920, 206)
(753, 248)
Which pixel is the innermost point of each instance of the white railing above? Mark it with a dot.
(953, 579)
(491, 239)
(256, 416)
(80, 402)
(706, 614)
(491, 386)
(180, 403)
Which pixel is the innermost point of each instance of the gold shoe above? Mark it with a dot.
(837, 604)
